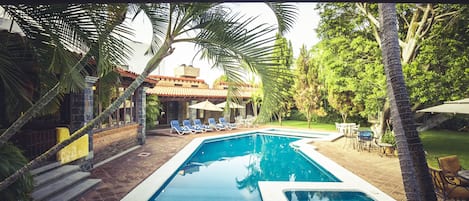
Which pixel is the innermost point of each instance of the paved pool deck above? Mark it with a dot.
(122, 174)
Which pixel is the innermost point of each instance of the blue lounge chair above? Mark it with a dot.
(187, 123)
(180, 130)
(204, 127)
(213, 124)
(230, 126)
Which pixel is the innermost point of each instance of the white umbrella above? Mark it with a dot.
(454, 107)
(206, 105)
(232, 105)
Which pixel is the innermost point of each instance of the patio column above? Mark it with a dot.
(140, 101)
(81, 113)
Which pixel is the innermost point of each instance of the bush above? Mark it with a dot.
(11, 159)
(153, 111)
(297, 115)
(389, 138)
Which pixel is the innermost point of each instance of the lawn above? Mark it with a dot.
(439, 143)
(436, 143)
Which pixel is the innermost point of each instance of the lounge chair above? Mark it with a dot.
(447, 188)
(180, 130)
(223, 122)
(213, 124)
(187, 123)
(204, 127)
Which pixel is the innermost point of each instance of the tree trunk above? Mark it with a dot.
(163, 52)
(417, 181)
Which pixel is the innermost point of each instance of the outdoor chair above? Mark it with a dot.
(213, 124)
(447, 189)
(180, 130)
(364, 140)
(350, 132)
(250, 121)
(187, 123)
(239, 120)
(204, 127)
(450, 166)
(223, 122)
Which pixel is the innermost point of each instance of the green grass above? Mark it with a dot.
(436, 143)
(304, 124)
(439, 143)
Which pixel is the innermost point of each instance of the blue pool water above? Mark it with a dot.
(230, 169)
(326, 196)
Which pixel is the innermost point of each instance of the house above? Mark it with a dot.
(177, 93)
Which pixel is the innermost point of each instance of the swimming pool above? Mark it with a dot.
(261, 166)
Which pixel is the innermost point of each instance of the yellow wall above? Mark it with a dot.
(73, 151)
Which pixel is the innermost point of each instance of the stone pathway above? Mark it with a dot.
(121, 175)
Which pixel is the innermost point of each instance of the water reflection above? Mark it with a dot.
(326, 196)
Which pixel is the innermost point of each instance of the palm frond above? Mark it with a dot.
(158, 15)
(286, 15)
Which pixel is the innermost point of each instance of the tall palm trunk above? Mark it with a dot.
(417, 182)
(163, 52)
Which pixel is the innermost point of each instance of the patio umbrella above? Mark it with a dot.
(232, 105)
(454, 107)
(206, 105)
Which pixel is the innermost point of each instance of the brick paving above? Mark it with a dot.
(121, 175)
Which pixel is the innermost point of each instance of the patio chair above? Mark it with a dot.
(230, 126)
(187, 123)
(204, 127)
(364, 140)
(447, 189)
(450, 166)
(239, 120)
(180, 130)
(213, 124)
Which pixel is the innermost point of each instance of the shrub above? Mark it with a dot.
(11, 159)
(389, 138)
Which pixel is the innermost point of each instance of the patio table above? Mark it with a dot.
(464, 174)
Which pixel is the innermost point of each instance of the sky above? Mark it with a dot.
(302, 33)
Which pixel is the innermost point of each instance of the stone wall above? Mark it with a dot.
(113, 141)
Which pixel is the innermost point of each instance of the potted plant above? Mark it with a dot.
(389, 138)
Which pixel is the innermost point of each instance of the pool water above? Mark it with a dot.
(229, 169)
(327, 196)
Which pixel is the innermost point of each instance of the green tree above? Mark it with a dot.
(54, 29)
(417, 181)
(222, 37)
(345, 67)
(308, 87)
(418, 25)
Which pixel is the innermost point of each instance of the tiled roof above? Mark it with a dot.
(162, 77)
(130, 74)
(193, 92)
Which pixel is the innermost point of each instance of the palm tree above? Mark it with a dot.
(223, 37)
(54, 31)
(417, 181)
